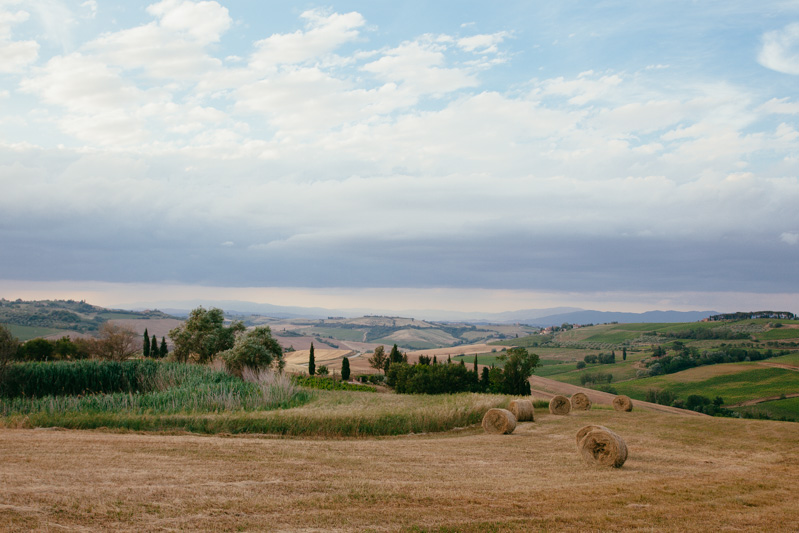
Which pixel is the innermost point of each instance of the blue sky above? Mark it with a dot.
(464, 155)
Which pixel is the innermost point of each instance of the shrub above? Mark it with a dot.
(580, 365)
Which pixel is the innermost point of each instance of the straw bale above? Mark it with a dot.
(587, 429)
(559, 405)
(499, 421)
(622, 403)
(602, 447)
(523, 410)
(580, 402)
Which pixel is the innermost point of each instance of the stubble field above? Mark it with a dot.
(683, 474)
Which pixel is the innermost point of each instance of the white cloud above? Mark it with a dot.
(420, 65)
(780, 50)
(91, 6)
(17, 55)
(780, 106)
(790, 238)
(583, 89)
(205, 22)
(159, 52)
(324, 33)
(483, 43)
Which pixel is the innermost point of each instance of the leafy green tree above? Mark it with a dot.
(203, 335)
(345, 369)
(255, 349)
(163, 351)
(145, 347)
(378, 359)
(311, 363)
(36, 350)
(323, 371)
(519, 366)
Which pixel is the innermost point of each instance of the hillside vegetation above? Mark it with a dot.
(39, 318)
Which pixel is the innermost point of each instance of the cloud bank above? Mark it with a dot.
(325, 155)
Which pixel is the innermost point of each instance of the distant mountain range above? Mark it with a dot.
(535, 317)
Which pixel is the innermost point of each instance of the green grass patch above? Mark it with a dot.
(26, 333)
(779, 334)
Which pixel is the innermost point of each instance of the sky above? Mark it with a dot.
(620, 156)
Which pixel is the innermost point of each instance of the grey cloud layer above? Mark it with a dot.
(310, 163)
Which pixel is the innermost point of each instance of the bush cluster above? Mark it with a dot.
(320, 382)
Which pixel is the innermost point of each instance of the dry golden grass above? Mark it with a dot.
(682, 474)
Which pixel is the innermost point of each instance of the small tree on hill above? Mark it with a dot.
(311, 363)
(378, 359)
(145, 347)
(345, 369)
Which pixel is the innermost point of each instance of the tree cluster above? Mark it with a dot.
(429, 377)
(686, 358)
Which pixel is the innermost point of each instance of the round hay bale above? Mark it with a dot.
(623, 403)
(499, 421)
(580, 402)
(587, 429)
(523, 410)
(559, 405)
(603, 447)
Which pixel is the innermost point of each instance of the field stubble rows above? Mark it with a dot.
(683, 474)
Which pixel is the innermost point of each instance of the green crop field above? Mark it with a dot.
(342, 334)
(790, 359)
(26, 333)
(777, 409)
(779, 334)
(747, 381)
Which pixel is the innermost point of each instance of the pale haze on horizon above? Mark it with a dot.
(443, 155)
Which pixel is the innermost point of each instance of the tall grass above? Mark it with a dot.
(161, 388)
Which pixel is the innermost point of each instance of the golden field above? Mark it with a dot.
(683, 474)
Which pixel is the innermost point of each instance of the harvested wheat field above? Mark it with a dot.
(682, 474)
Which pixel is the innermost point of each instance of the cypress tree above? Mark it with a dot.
(624, 354)
(154, 348)
(345, 369)
(164, 350)
(145, 347)
(311, 363)
(395, 356)
(475, 364)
